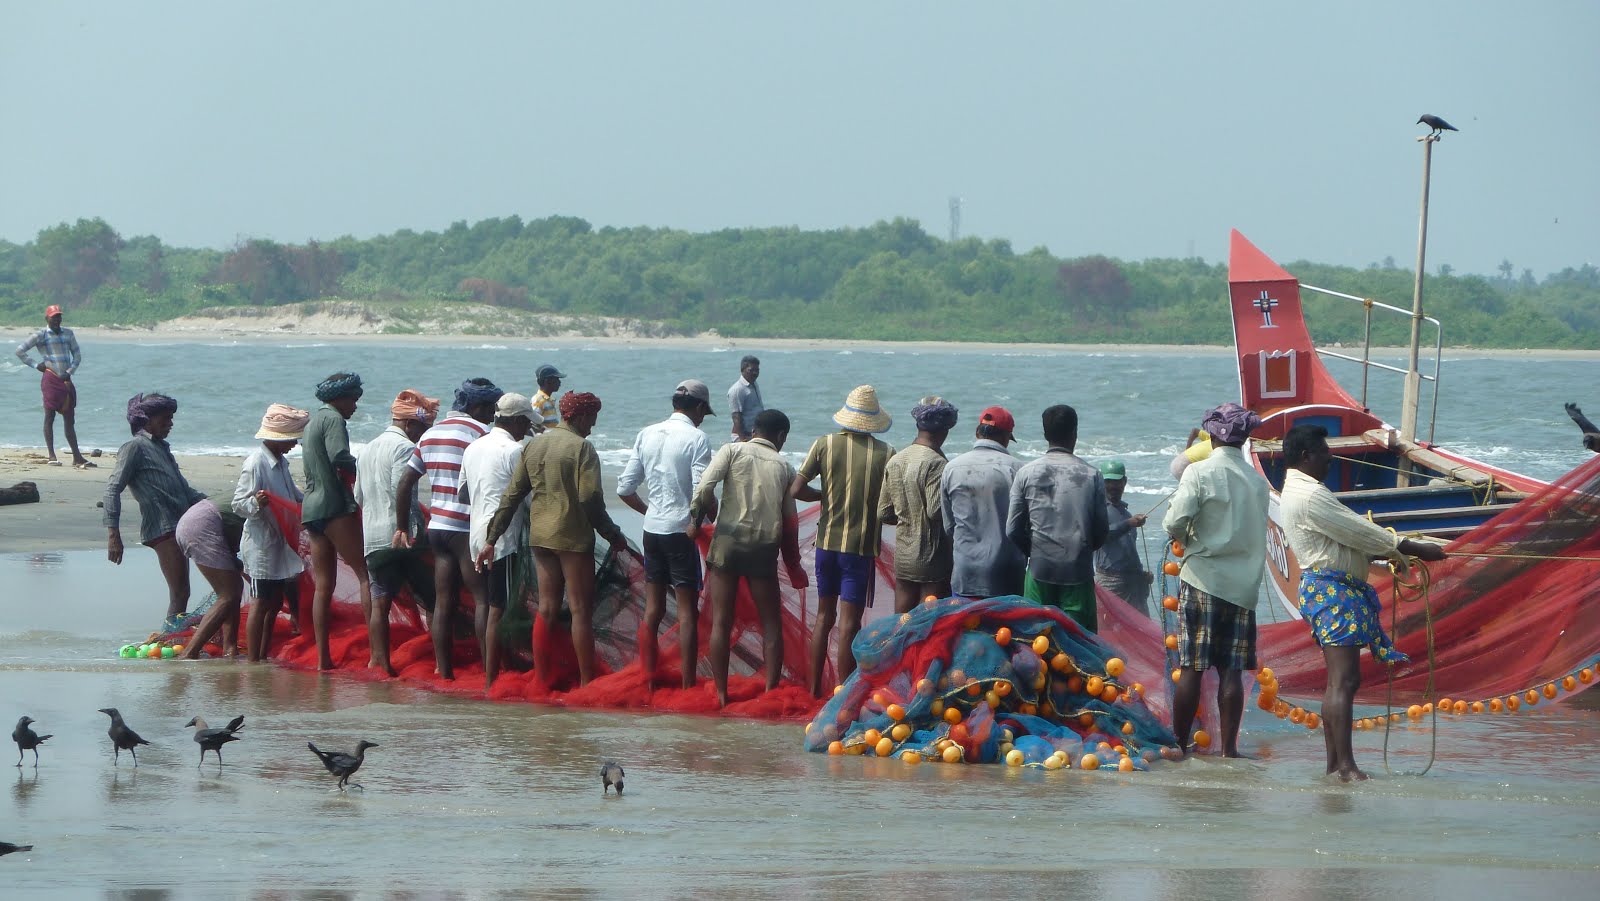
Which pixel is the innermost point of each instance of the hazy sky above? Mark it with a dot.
(1131, 129)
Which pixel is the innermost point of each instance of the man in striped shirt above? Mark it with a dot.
(58, 348)
(851, 463)
(438, 455)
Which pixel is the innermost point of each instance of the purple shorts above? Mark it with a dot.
(850, 577)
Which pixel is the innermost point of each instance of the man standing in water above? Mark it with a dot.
(1117, 567)
(668, 459)
(329, 511)
(59, 349)
(911, 503)
(1058, 518)
(744, 399)
(1219, 513)
(146, 466)
(486, 470)
(1335, 547)
(976, 493)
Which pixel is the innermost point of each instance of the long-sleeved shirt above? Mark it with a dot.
(976, 491)
(1219, 512)
(59, 350)
(266, 552)
(146, 466)
(487, 467)
(1058, 517)
(1120, 553)
(669, 458)
(383, 461)
(755, 482)
(912, 499)
(561, 472)
(326, 446)
(851, 466)
(1326, 534)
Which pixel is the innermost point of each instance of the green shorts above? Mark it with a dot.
(1077, 601)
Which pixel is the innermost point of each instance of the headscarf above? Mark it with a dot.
(1230, 424)
(934, 414)
(283, 422)
(575, 403)
(413, 404)
(143, 406)
(474, 392)
(340, 384)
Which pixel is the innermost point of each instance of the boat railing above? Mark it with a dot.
(1366, 361)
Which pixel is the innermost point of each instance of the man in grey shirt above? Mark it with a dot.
(744, 399)
(1117, 566)
(976, 490)
(1058, 518)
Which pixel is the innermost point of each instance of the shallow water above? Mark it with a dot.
(478, 800)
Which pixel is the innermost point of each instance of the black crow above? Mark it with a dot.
(214, 739)
(611, 774)
(8, 848)
(27, 739)
(343, 765)
(1437, 124)
(1591, 432)
(122, 738)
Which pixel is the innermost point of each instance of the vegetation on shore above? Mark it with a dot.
(891, 281)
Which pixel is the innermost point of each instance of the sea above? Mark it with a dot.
(469, 799)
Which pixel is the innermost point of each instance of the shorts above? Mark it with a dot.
(1076, 601)
(317, 526)
(394, 569)
(201, 537)
(849, 577)
(165, 536)
(500, 578)
(750, 562)
(1213, 632)
(1344, 612)
(671, 560)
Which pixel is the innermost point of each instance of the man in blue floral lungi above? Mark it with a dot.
(1335, 546)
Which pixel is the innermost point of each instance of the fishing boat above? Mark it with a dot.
(1515, 609)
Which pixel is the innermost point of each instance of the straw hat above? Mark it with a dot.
(861, 412)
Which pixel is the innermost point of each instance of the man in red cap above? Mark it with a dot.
(976, 490)
(59, 349)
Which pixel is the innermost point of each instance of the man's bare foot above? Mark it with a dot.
(325, 665)
(1353, 774)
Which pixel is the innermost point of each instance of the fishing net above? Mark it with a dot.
(999, 679)
(1501, 625)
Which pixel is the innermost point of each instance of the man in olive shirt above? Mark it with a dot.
(562, 472)
(851, 464)
(911, 502)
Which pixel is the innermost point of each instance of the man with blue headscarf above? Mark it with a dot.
(911, 502)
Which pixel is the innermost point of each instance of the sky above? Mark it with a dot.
(1133, 130)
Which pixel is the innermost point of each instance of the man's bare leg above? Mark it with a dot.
(1338, 700)
(69, 424)
(324, 570)
(1185, 701)
(817, 659)
(446, 587)
(688, 632)
(907, 595)
(228, 586)
(764, 594)
(1230, 709)
(655, 610)
(724, 589)
(578, 570)
(552, 584)
(263, 614)
(849, 625)
(50, 433)
(175, 570)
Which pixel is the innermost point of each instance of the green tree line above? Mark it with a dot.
(889, 281)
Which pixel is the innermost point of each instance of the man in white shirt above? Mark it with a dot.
(1334, 547)
(668, 459)
(1219, 513)
(487, 466)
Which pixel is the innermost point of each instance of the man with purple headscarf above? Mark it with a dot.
(911, 502)
(1219, 514)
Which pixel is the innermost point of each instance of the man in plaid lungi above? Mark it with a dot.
(1219, 513)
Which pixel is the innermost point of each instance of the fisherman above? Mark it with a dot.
(58, 348)
(975, 491)
(744, 399)
(546, 415)
(271, 558)
(438, 454)
(487, 466)
(1334, 547)
(668, 459)
(390, 556)
(328, 511)
(851, 463)
(1117, 566)
(145, 465)
(562, 472)
(756, 523)
(1219, 514)
(911, 502)
(1058, 518)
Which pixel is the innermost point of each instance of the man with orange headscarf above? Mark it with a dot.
(562, 472)
(391, 560)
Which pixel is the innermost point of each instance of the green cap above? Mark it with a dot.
(1112, 470)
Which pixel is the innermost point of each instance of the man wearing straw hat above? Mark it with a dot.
(271, 555)
(851, 463)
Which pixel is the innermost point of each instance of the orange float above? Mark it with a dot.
(1177, 548)
(1172, 642)
(836, 748)
(1115, 666)
(1170, 602)
(1530, 697)
(1110, 694)
(896, 712)
(1569, 683)
(1002, 636)
(1171, 568)
(1095, 685)
(1089, 762)
(1313, 721)
(1202, 739)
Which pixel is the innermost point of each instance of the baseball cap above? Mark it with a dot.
(999, 417)
(52, 310)
(512, 405)
(696, 389)
(548, 372)
(1113, 470)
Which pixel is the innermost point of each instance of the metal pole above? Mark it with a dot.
(1413, 393)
